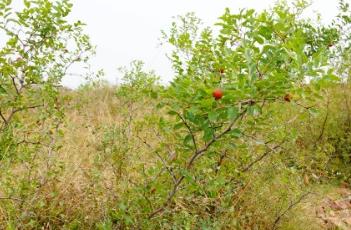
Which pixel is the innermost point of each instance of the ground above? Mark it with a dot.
(331, 210)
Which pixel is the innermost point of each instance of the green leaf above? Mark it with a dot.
(171, 112)
(254, 110)
(259, 39)
(236, 133)
(208, 134)
(313, 111)
(186, 174)
(232, 113)
(188, 140)
(331, 77)
(153, 94)
(2, 90)
(178, 125)
(212, 116)
(160, 105)
(26, 3)
(190, 116)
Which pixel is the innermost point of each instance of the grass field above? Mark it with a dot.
(109, 148)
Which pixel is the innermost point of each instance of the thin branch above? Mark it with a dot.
(21, 109)
(190, 163)
(292, 205)
(10, 198)
(260, 158)
(169, 199)
(189, 130)
(3, 118)
(214, 139)
(220, 161)
(347, 107)
(29, 142)
(323, 125)
(304, 106)
(167, 167)
(13, 112)
(15, 85)
(260, 74)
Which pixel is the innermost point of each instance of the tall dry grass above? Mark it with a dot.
(107, 145)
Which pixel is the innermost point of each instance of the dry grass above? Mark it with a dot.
(83, 180)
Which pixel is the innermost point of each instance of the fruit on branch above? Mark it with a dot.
(217, 94)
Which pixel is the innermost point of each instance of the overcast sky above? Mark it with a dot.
(124, 30)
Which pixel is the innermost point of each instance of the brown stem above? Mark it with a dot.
(167, 167)
(190, 163)
(3, 118)
(189, 130)
(13, 112)
(10, 198)
(292, 205)
(220, 161)
(260, 158)
(323, 125)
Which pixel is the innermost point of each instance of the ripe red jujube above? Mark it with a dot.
(217, 94)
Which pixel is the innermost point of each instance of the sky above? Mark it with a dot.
(125, 30)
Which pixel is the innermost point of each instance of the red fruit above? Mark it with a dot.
(217, 94)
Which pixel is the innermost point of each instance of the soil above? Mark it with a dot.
(334, 211)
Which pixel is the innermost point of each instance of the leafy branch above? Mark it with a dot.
(198, 153)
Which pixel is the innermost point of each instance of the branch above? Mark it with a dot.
(10, 198)
(214, 139)
(190, 163)
(304, 106)
(260, 74)
(15, 86)
(189, 130)
(22, 109)
(13, 112)
(220, 161)
(323, 126)
(28, 142)
(166, 166)
(3, 118)
(278, 219)
(260, 158)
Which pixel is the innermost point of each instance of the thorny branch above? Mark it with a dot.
(198, 153)
(190, 131)
(260, 158)
(292, 205)
(13, 112)
(324, 124)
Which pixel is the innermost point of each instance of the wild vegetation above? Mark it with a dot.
(252, 130)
